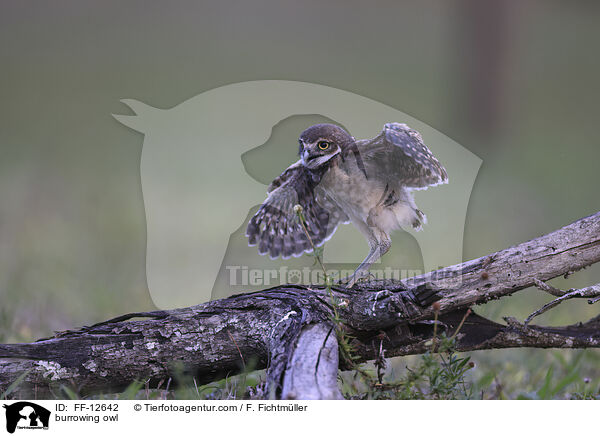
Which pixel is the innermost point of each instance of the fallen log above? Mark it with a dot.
(289, 329)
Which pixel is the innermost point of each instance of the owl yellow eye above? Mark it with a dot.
(323, 145)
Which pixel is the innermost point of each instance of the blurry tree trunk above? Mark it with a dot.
(482, 61)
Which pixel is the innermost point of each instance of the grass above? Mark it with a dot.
(441, 374)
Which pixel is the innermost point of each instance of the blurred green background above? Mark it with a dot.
(515, 82)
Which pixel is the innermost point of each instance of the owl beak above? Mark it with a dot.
(304, 156)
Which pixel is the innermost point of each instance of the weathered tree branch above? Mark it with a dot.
(282, 328)
(591, 292)
(312, 370)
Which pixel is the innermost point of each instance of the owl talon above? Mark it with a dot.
(355, 278)
(366, 278)
(347, 282)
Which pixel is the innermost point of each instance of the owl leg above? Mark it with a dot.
(379, 243)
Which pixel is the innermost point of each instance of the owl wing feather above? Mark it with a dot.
(276, 228)
(398, 154)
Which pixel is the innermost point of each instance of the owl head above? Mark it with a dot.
(321, 142)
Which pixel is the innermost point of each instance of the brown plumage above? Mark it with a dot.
(340, 180)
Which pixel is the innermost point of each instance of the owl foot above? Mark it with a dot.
(358, 276)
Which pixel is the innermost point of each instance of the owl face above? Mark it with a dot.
(320, 143)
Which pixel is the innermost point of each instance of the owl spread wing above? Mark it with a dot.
(276, 228)
(399, 154)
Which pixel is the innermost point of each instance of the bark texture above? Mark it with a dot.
(288, 329)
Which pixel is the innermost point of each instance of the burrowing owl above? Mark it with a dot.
(340, 180)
